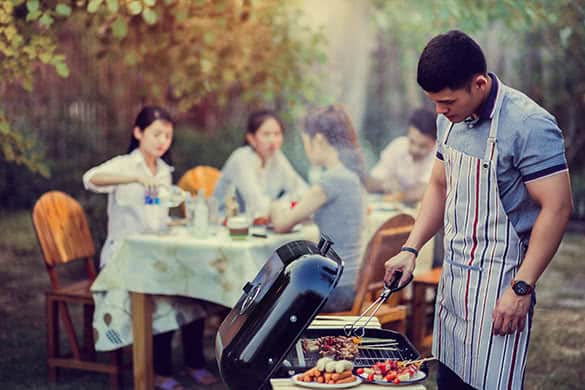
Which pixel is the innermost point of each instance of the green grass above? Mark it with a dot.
(556, 357)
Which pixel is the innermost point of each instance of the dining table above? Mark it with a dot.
(380, 210)
(149, 268)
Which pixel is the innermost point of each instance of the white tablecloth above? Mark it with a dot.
(172, 265)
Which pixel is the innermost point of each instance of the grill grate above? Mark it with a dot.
(403, 350)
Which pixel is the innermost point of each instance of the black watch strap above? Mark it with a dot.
(409, 249)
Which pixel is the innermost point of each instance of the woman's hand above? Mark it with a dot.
(403, 262)
(151, 184)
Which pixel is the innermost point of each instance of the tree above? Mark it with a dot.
(549, 35)
(180, 51)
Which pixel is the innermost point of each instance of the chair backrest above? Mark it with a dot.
(385, 243)
(203, 176)
(63, 232)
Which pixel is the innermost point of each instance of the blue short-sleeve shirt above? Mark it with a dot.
(530, 146)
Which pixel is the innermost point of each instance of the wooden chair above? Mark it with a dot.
(63, 235)
(200, 177)
(385, 243)
(423, 308)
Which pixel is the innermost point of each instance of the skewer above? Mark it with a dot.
(420, 361)
(379, 348)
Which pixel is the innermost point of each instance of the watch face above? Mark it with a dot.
(521, 288)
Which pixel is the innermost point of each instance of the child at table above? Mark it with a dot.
(259, 171)
(129, 180)
(336, 199)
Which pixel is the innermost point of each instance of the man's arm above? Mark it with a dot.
(553, 194)
(428, 222)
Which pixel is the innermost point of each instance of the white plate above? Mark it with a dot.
(417, 377)
(316, 385)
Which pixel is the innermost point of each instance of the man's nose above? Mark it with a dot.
(440, 109)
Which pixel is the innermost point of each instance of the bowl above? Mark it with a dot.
(239, 227)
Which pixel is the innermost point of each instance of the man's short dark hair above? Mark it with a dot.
(425, 121)
(449, 60)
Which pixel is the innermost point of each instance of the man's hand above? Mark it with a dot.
(403, 262)
(510, 312)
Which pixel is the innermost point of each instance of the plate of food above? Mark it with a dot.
(351, 381)
(393, 373)
(328, 374)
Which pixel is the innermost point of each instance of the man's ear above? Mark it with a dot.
(480, 81)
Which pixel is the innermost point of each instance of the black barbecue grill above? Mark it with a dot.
(262, 335)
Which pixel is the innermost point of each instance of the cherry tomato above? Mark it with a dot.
(360, 371)
(396, 380)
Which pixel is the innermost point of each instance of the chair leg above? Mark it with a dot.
(116, 379)
(70, 330)
(52, 309)
(88, 341)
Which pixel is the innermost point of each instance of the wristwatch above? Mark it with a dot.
(521, 288)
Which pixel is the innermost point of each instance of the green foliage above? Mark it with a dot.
(185, 52)
(211, 50)
(25, 41)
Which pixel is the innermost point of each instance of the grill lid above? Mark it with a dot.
(274, 310)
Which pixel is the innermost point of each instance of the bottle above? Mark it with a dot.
(232, 208)
(190, 209)
(201, 221)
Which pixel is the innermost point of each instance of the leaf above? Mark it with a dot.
(120, 28)
(63, 9)
(34, 15)
(45, 57)
(62, 69)
(135, 7)
(46, 20)
(209, 37)
(93, 6)
(564, 35)
(32, 5)
(113, 5)
(150, 16)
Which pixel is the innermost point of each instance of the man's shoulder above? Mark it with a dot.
(396, 145)
(518, 107)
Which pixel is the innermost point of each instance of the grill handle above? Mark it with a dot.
(393, 286)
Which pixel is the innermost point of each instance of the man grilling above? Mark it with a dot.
(501, 188)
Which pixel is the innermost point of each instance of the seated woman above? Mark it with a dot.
(336, 199)
(259, 171)
(136, 176)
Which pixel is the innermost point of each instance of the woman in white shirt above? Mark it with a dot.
(259, 170)
(131, 182)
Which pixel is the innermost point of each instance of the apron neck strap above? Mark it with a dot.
(491, 150)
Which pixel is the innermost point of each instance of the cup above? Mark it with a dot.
(238, 227)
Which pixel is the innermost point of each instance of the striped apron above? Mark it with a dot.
(482, 255)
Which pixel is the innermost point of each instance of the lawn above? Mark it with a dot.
(556, 359)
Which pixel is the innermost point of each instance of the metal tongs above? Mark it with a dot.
(353, 329)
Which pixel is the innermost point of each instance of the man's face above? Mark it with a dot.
(460, 103)
(419, 144)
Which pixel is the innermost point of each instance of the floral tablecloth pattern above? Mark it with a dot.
(175, 268)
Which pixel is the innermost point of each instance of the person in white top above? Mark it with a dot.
(132, 182)
(259, 170)
(405, 165)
